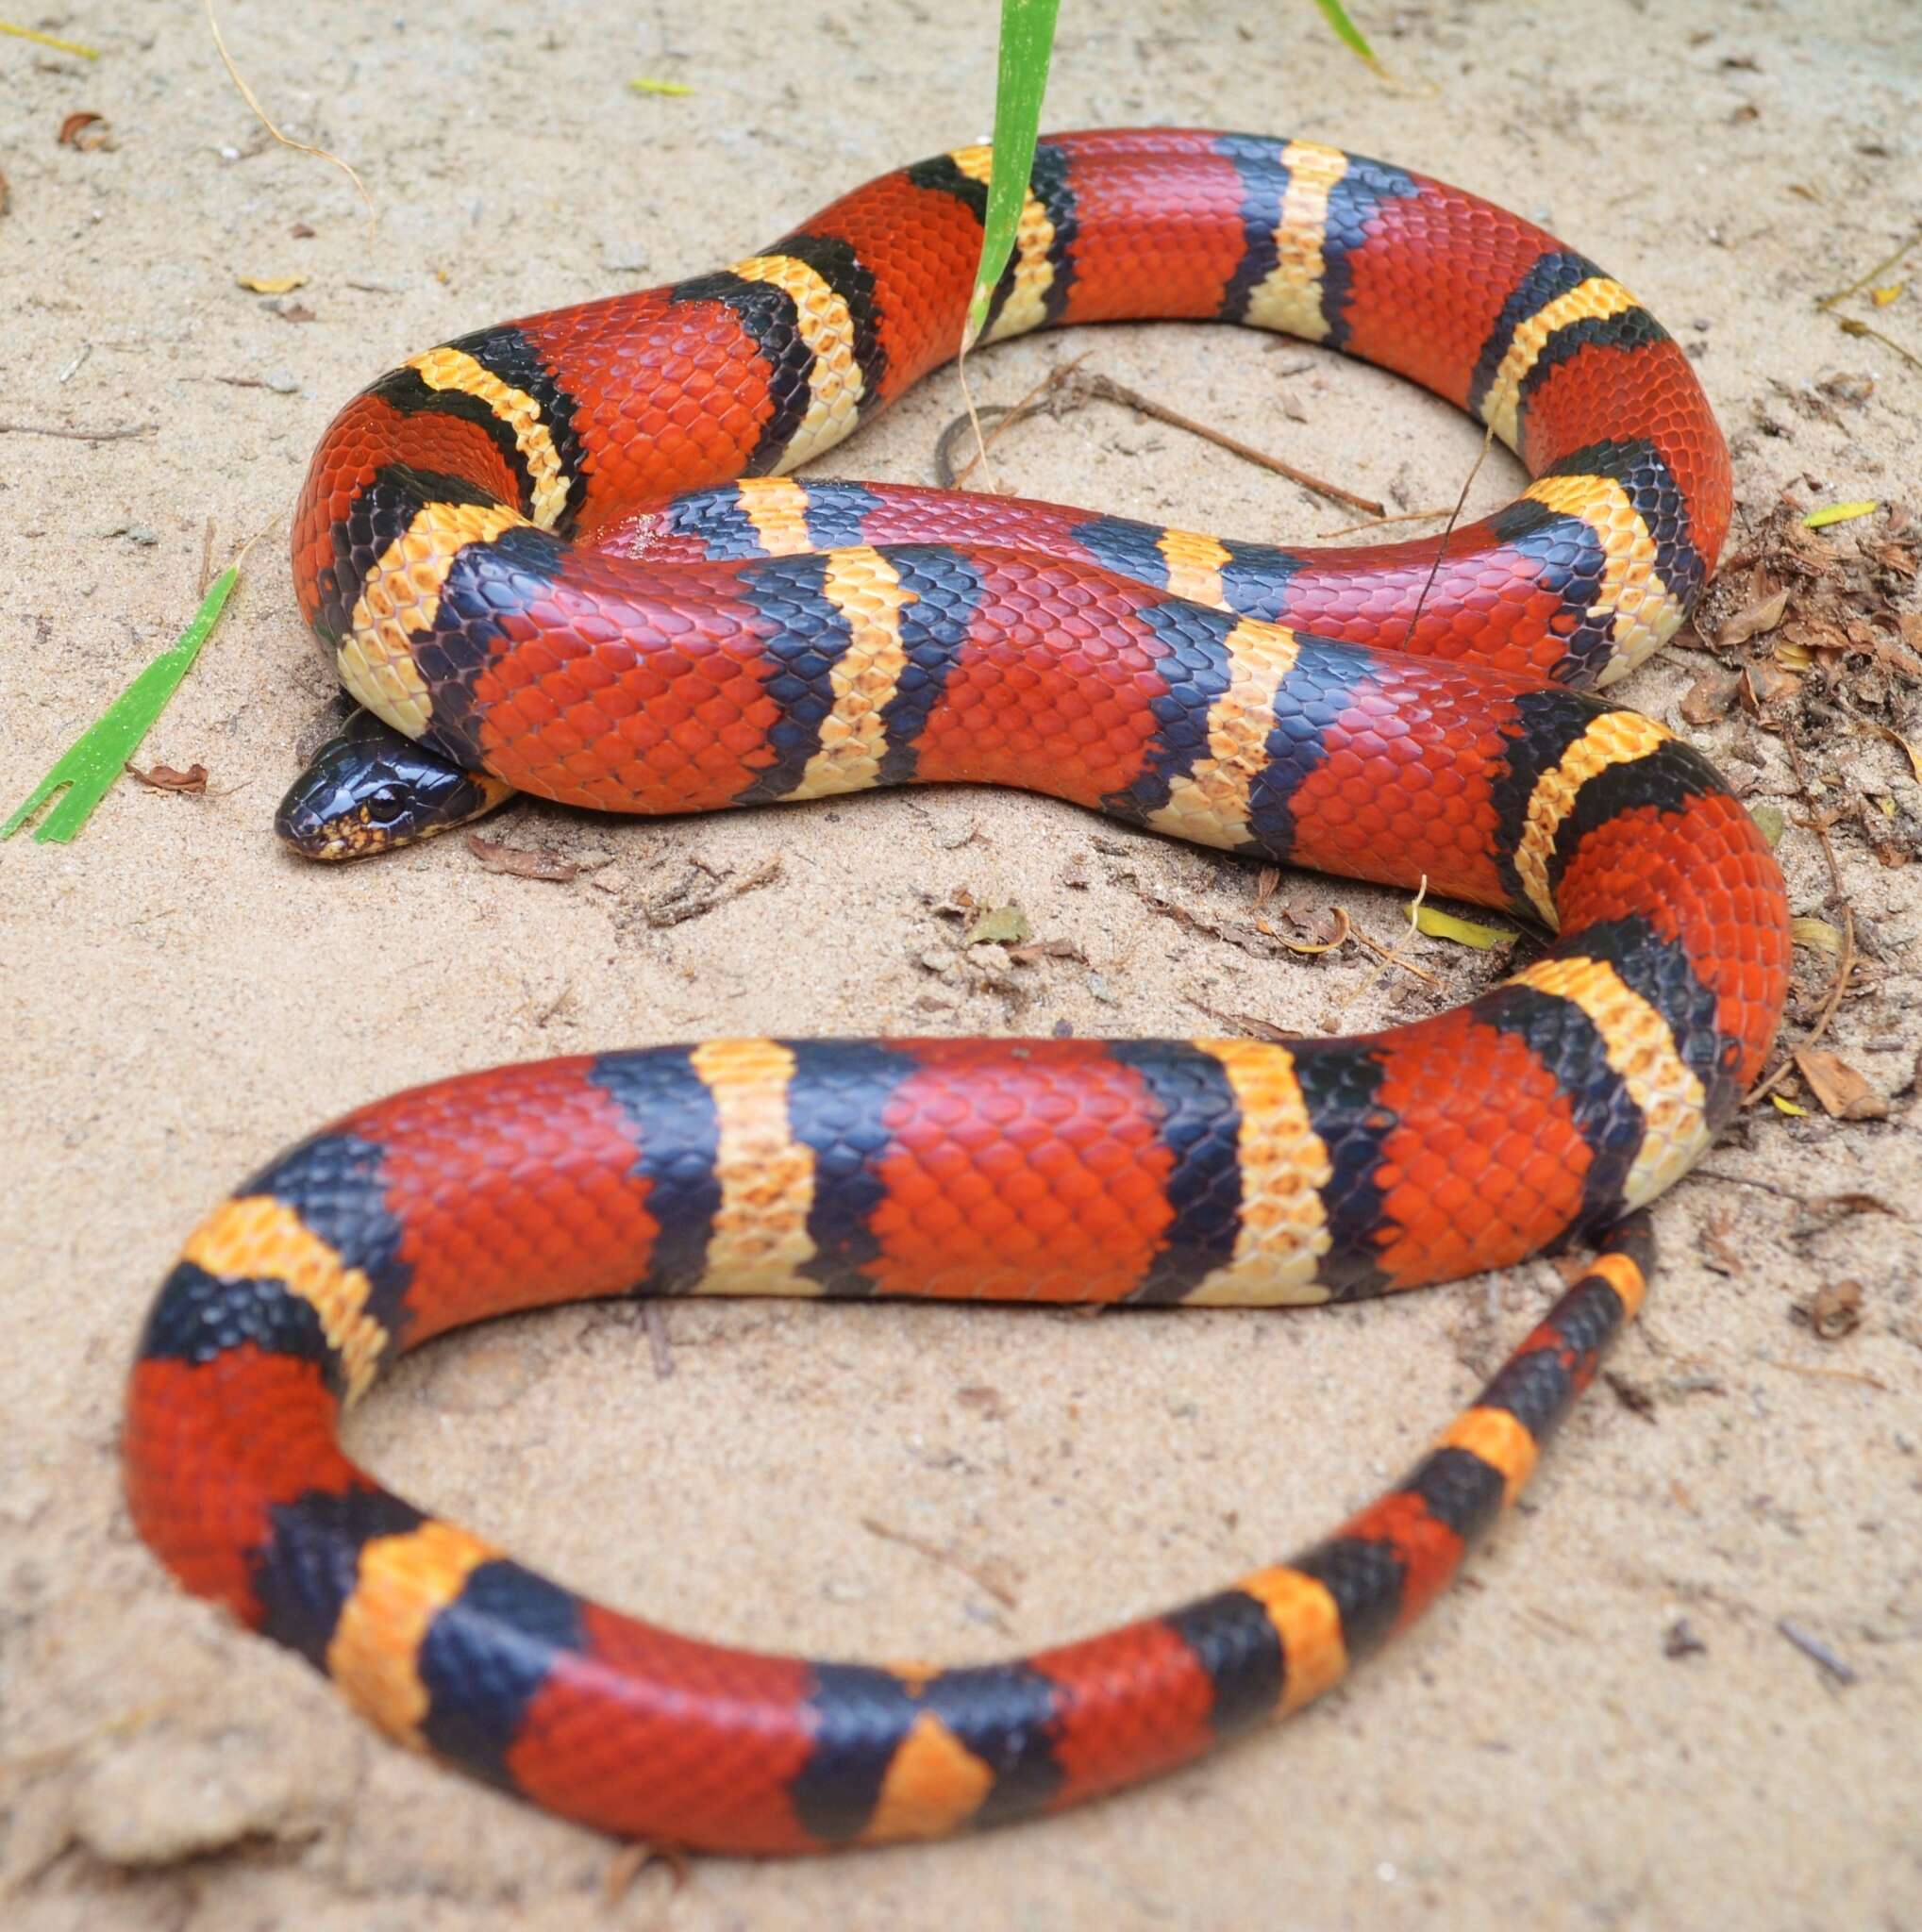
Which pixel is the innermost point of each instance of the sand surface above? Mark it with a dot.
(1607, 1726)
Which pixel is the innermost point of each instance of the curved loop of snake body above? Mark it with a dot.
(527, 550)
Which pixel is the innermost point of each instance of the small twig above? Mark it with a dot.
(678, 905)
(935, 1554)
(1743, 1180)
(1251, 1024)
(1845, 965)
(946, 476)
(1093, 385)
(1828, 1374)
(980, 461)
(1442, 542)
(1812, 1647)
(1860, 282)
(285, 139)
(1414, 516)
(206, 558)
(77, 435)
(655, 1320)
(1850, 327)
(1016, 411)
(1107, 387)
(1390, 958)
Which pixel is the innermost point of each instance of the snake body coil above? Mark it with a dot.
(528, 551)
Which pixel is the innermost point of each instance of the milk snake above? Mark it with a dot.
(563, 556)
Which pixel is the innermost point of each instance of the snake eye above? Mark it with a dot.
(385, 804)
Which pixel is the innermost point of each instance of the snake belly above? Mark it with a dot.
(566, 551)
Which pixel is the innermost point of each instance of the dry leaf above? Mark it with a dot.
(1321, 926)
(1840, 1090)
(1817, 933)
(1765, 684)
(271, 285)
(165, 779)
(1753, 622)
(521, 864)
(1335, 926)
(1709, 698)
(75, 131)
(1000, 926)
(1909, 745)
(1047, 949)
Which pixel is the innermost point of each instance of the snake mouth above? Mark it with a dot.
(351, 835)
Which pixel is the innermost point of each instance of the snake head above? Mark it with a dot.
(370, 789)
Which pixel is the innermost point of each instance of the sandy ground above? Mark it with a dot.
(1607, 1726)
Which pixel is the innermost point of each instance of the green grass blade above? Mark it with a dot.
(1346, 31)
(87, 772)
(1027, 38)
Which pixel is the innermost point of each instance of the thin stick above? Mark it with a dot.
(1867, 1381)
(1388, 958)
(1442, 543)
(1022, 406)
(980, 461)
(1747, 1180)
(1113, 391)
(1381, 952)
(1849, 326)
(1812, 1647)
(1860, 282)
(935, 1554)
(285, 139)
(77, 435)
(1414, 516)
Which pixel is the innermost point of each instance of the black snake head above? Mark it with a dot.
(370, 789)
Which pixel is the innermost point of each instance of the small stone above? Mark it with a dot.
(163, 1798)
(1679, 1641)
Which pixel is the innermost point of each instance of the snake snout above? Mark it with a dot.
(370, 789)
